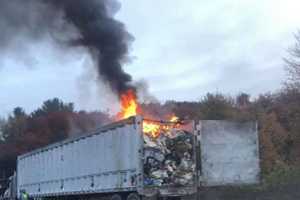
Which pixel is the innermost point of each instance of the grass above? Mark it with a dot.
(281, 176)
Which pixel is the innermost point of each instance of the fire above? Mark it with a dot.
(130, 107)
(151, 129)
(174, 119)
(154, 129)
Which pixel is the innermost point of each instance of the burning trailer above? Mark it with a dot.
(169, 157)
(136, 157)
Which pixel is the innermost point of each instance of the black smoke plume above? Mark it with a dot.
(86, 23)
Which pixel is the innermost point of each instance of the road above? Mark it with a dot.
(283, 192)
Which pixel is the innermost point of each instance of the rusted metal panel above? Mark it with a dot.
(229, 153)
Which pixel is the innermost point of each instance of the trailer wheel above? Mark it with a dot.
(116, 197)
(133, 196)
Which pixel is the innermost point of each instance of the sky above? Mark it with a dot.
(182, 49)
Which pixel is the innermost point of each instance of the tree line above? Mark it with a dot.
(277, 114)
(52, 122)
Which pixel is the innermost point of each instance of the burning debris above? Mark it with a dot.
(168, 155)
(168, 148)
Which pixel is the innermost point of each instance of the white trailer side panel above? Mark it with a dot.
(102, 162)
(229, 153)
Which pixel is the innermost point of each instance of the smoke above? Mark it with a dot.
(143, 93)
(72, 23)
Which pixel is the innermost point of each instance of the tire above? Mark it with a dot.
(116, 197)
(133, 196)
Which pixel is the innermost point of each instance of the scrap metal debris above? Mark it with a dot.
(168, 158)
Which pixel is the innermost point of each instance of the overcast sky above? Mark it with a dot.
(183, 49)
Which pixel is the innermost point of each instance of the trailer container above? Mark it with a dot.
(120, 161)
(109, 160)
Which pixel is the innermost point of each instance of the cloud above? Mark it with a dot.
(182, 48)
(188, 48)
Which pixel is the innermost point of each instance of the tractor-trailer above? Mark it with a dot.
(124, 161)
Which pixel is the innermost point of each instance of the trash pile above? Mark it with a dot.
(168, 158)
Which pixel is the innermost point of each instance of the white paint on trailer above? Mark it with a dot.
(106, 160)
(229, 153)
(101, 162)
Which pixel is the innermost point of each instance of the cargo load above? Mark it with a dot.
(169, 157)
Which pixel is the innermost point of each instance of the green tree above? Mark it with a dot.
(53, 105)
(15, 125)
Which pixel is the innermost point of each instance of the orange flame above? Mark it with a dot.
(130, 107)
(174, 118)
(151, 129)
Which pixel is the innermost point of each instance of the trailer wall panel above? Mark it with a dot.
(101, 162)
(229, 153)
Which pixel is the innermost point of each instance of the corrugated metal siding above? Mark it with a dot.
(229, 153)
(100, 162)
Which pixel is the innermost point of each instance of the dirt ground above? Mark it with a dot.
(282, 192)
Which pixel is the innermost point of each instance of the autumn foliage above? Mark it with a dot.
(53, 122)
(277, 114)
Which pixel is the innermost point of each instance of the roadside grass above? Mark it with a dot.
(281, 176)
(278, 178)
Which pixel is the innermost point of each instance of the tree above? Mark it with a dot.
(185, 109)
(264, 103)
(243, 101)
(293, 64)
(19, 112)
(287, 108)
(269, 151)
(53, 105)
(2, 125)
(15, 125)
(216, 107)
